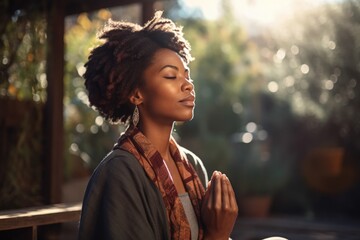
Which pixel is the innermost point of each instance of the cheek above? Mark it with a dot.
(163, 93)
(161, 102)
(162, 98)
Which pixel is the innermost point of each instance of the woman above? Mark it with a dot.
(147, 186)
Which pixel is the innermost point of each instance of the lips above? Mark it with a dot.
(188, 101)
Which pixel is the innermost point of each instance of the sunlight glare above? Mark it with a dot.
(264, 12)
(304, 68)
(247, 137)
(273, 86)
(251, 127)
(210, 9)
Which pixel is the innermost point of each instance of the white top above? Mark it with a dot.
(190, 215)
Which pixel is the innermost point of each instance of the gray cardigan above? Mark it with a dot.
(121, 202)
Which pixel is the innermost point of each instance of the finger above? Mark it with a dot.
(232, 198)
(208, 184)
(212, 176)
(206, 195)
(217, 191)
(210, 193)
(225, 192)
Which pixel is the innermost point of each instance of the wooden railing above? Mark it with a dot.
(29, 223)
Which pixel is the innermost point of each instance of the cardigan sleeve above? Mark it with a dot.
(198, 166)
(122, 203)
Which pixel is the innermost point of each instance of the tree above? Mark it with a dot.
(22, 96)
(314, 66)
(224, 59)
(88, 137)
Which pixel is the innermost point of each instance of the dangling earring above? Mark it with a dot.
(135, 116)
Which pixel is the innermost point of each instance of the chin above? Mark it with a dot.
(186, 119)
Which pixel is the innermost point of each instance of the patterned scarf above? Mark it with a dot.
(136, 143)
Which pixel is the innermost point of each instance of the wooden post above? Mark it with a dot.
(147, 11)
(53, 159)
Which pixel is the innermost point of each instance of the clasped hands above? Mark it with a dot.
(219, 208)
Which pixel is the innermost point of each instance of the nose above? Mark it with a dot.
(188, 85)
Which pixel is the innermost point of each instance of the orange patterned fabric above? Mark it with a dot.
(150, 159)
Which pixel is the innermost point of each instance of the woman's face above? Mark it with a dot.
(168, 93)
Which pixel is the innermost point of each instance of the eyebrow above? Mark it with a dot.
(169, 66)
(173, 67)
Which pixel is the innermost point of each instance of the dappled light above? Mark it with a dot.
(273, 87)
(81, 120)
(251, 127)
(277, 102)
(291, 116)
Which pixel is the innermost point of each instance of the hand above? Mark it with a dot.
(219, 208)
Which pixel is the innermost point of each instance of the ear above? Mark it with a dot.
(136, 97)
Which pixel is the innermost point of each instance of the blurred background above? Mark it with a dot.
(277, 107)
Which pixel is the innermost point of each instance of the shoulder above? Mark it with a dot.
(119, 174)
(118, 197)
(119, 159)
(119, 166)
(198, 165)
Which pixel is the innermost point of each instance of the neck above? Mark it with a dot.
(159, 136)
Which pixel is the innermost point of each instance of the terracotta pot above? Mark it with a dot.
(325, 170)
(254, 206)
(326, 161)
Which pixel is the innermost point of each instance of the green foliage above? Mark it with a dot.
(215, 152)
(258, 170)
(304, 80)
(318, 71)
(88, 137)
(226, 73)
(314, 66)
(23, 54)
(222, 56)
(22, 93)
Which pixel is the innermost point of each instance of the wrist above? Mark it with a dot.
(208, 236)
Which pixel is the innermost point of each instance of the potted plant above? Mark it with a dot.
(259, 169)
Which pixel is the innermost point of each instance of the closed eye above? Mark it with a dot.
(170, 77)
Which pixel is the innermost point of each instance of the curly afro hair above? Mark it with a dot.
(115, 68)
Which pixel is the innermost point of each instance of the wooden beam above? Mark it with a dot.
(79, 6)
(147, 11)
(53, 160)
(73, 6)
